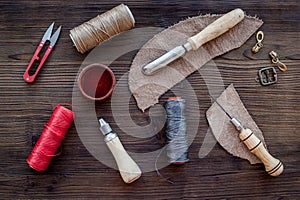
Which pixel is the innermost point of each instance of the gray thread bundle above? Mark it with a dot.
(177, 139)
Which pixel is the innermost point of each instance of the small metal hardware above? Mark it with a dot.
(259, 39)
(276, 61)
(267, 76)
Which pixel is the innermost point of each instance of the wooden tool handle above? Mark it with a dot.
(217, 28)
(129, 170)
(272, 165)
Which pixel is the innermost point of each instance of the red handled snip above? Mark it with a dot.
(47, 37)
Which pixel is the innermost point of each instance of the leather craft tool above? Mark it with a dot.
(129, 170)
(212, 31)
(273, 166)
(47, 37)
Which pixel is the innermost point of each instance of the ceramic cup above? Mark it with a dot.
(96, 82)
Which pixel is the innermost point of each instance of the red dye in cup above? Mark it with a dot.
(96, 82)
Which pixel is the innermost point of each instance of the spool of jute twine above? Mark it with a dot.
(101, 28)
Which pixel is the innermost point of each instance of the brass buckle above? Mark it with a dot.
(267, 76)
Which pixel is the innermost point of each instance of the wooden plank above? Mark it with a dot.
(25, 108)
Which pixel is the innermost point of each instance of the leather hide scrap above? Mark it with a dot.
(225, 132)
(147, 89)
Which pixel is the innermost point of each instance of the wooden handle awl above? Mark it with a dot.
(129, 170)
(272, 165)
(217, 28)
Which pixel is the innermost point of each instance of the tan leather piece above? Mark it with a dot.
(225, 132)
(147, 89)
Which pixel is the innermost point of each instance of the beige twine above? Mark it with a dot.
(101, 28)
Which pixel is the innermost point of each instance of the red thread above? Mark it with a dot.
(51, 138)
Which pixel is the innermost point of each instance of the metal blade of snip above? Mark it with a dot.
(54, 37)
(48, 33)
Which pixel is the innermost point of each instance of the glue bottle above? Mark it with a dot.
(129, 170)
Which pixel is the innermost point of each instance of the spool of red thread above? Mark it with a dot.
(51, 138)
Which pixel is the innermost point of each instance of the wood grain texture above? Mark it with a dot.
(24, 109)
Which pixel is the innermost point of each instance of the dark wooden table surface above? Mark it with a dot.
(25, 108)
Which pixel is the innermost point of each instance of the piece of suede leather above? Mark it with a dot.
(224, 131)
(147, 89)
